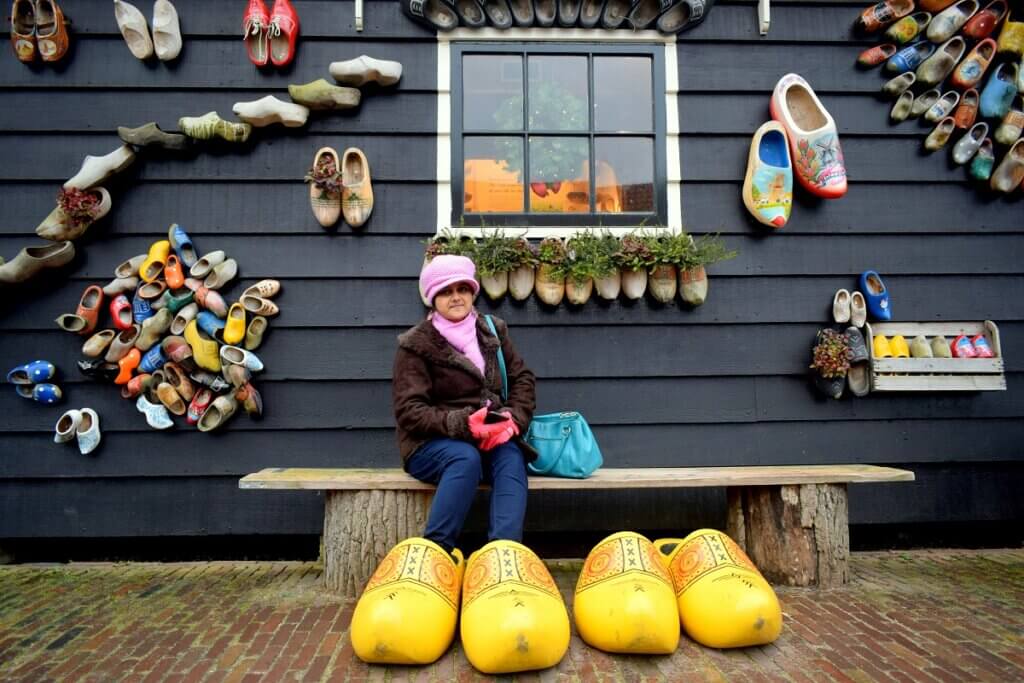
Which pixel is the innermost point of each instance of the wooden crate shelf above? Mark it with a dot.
(936, 374)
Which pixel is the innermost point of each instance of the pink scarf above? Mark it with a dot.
(461, 335)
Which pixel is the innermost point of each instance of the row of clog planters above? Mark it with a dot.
(573, 268)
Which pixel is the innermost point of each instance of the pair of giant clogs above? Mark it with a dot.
(512, 615)
(801, 140)
(633, 594)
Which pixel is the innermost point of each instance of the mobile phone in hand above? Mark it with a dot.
(492, 417)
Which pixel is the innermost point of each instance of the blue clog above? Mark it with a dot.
(999, 92)
(209, 323)
(32, 373)
(182, 245)
(153, 360)
(876, 295)
(141, 308)
(910, 57)
(43, 393)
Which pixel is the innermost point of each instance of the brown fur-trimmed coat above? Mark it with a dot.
(434, 388)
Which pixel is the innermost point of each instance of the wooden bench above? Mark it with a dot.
(791, 520)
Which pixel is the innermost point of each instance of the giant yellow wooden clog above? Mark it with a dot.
(624, 598)
(723, 600)
(407, 612)
(513, 617)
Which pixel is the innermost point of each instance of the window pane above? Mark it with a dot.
(622, 94)
(492, 92)
(625, 175)
(492, 180)
(558, 93)
(559, 175)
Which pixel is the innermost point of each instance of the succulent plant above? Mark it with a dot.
(635, 252)
(325, 174)
(80, 206)
(551, 251)
(831, 355)
(499, 253)
(449, 242)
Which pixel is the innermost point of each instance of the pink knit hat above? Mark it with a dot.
(445, 270)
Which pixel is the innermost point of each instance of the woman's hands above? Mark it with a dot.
(491, 435)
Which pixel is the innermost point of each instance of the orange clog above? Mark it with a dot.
(23, 30)
(173, 272)
(127, 365)
(51, 31)
(89, 308)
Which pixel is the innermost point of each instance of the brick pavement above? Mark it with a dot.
(931, 615)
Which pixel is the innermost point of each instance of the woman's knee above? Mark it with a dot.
(464, 458)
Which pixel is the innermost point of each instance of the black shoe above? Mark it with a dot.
(99, 370)
(471, 13)
(615, 13)
(645, 12)
(568, 12)
(436, 14)
(499, 14)
(684, 15)
(545, 12)
(590, 13)
(522, 12)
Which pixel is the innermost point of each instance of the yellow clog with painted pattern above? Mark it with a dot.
(723, 599)
(513, 617)
(408, 610)
(624, 598)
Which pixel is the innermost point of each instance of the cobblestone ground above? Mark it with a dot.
(934, 615)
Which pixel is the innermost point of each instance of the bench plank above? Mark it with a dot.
(612, 478)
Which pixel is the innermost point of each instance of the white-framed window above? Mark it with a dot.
(546, 131)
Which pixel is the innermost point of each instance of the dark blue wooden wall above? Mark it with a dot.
(662, 386)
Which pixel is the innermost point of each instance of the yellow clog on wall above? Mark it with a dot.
(723, 599)
(898, 346)
(156, 259)
(624, 598)
(408, 610)
(513, 617)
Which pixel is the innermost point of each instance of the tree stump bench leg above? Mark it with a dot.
(360, 527)
(796, 535)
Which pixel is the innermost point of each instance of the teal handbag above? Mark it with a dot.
(564, 444)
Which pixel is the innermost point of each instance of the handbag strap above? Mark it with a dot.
(501, 359)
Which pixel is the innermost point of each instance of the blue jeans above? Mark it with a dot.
(457, 468)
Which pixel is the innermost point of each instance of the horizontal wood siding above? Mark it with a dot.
(666, 386)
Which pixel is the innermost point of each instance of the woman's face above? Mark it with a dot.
(454, 302)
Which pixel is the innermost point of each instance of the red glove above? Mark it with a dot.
(480, 429)
(508, 430)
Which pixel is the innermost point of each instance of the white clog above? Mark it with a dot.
(132, 25)
(67, 426)
(363, 70)
(88, 431)
(268, 110)
(95, 170)
(166, 30)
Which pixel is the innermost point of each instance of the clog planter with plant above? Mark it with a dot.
(830, 361)
(693, 278)
(634, 257)
(496, 256)
(607, 278)
(584, 265)
(550, 280)
(76, 210)
(324, 180)
(668, 251)
(523, 273)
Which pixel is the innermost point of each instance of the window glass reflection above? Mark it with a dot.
(625, 175)
(622, 94)
(558, 93)
(492, 92)
(559, 175)
(492, 175)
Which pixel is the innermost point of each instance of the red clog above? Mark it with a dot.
(981, 347)
(89, 308)
(255, 26)
(284, 31)
(121, 312)
(173, 273)
(200, 402)
(981, 25)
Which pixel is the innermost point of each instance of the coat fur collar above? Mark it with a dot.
(424, 340)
